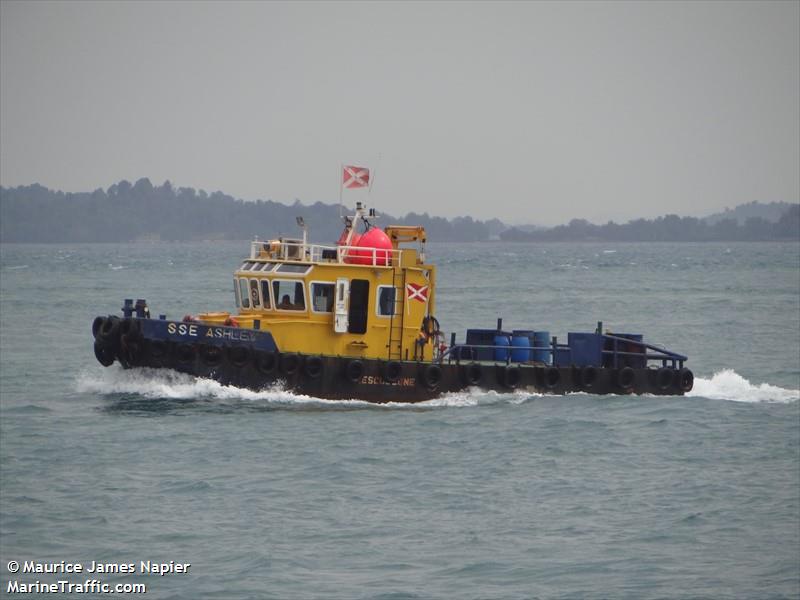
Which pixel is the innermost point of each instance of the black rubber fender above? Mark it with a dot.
(354, 371)
(159, 348)
(130, 327)
(686, 380)
(130, 350)
(103, 353)
(290, 363)
(313, 367)
(472, 373)
(238, 356)
(266, 362)
(432, 376)
(511, 376)
(109, 329)
(185, 353)
(392, 371)
(211, 356)
(588, 377)
(97, 325)
(664, 378)
(552, 377)
(625, 378)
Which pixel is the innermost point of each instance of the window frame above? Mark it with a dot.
(244, 297)
(332, 284)
(251, 281)
(266, 282)
(293, 282)
(378, 312)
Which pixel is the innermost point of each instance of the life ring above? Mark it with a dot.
(429, 329)
(354, 371)
(625, 378)
(289, 363)
(511, 376)
(97, 324)
(472, 373)
(392, 371)
(552, 377)
(103, 353)
(432, 376)
(238, 355)
(686, 379)
(211, 355)
(588, 377)
(184, 353)
(314, 366)
(231, 322)
(664, 378)
(266, 362)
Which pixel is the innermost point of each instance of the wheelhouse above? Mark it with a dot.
(347, 299)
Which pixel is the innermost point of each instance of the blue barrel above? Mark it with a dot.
(541, 339)
(501, 342)
(521, 341)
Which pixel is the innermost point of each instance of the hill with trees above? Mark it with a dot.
(140, 211)
(669, 228)
(771, 212)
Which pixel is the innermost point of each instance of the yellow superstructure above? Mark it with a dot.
(339, 300)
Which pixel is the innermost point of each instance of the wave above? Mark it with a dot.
(169, 385)
(159, 384)
(729, 385)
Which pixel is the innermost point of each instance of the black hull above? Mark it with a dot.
(252, 363)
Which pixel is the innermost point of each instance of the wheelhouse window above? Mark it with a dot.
(289, 295)
(244, 294)
(265, 293)
(236, 293)
(386, 300)
(254, 296)
(322, 297)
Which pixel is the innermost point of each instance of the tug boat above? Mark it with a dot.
(356, 320)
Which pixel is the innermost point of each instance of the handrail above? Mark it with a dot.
(662, 354)
(669, 353)
(315, 253)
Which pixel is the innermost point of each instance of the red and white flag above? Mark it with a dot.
(417, 292)
(355, 177)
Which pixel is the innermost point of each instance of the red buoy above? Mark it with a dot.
(373, 239)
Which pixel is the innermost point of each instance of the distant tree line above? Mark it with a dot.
(141, 211)
(670, 228)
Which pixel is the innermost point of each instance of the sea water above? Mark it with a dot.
(473, 495)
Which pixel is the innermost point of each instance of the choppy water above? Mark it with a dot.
(474, 495)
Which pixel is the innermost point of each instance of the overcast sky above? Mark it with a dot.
(531, 112)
